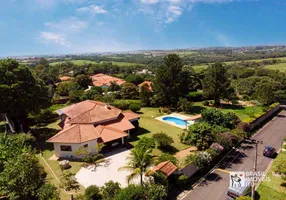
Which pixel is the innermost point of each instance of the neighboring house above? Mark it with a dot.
(166, 168)
(104, 81)
(91, 122)
(148, 83)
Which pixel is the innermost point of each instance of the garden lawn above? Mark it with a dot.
(245, 113)
(274, 189)
(149, 125)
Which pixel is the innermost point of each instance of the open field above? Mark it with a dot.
(280, 66)
(275, 188)
(82, 62)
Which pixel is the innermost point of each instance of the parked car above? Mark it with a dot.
(269, 151)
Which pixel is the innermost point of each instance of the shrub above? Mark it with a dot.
(145, 143)
(165, 110)
(203, 159)
(110, 190)
(206, 103)
(216, 117)
(184, 105)
(243, 126)
(131, 192)
(162, 139)
(76, 96)
(273, 105)
(183, 178)
(167, 157)
(92, 193)
(134, 107)
(156, 192)
(245, 97)
(214, 153)
(234, 102)
(190, 158)
(48, 192)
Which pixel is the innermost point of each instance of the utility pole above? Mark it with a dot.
(254, 169)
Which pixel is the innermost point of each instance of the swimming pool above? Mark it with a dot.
(178, 121)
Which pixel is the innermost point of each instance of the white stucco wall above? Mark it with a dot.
(59, 153)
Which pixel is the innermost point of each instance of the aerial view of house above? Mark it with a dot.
(91, 122)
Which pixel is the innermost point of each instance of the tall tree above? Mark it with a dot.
(216, 84)
(83, 81)
(171, 82)
(138, 163)
(20, 93)
(264, 93)
(145, 95)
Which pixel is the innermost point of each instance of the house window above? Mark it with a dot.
(66, 148)
(86, 145)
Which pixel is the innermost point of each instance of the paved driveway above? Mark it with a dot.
(106, 171)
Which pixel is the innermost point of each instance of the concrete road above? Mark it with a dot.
(216, 184)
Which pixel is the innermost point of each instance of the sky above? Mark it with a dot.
(33, 27)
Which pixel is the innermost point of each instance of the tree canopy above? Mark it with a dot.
(216, 84)
(21, 93)
(171, 82)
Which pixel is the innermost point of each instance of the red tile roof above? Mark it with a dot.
(167, 168)
(89, 120)
(78, 133)
(148, 83)
(102, 79)
(130, 115)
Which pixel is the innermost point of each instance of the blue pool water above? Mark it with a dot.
(178, 121)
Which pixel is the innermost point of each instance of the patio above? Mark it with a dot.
(106, 171)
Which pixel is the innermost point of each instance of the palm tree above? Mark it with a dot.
(139, 161)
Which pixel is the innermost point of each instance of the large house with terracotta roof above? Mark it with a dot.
(104, 81)
(91, 122)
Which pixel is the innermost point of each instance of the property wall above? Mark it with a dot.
(62, 154)
(258, 121)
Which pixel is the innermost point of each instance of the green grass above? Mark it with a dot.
(149, 125)
(280, 66)
(245, 113)
(275, 188)
(199, 68)
(82, 62)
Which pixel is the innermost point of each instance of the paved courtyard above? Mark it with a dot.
(106, 171)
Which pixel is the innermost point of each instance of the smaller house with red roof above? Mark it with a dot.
(91, 122)
(148, 84)
(166, 168)
(104, 81)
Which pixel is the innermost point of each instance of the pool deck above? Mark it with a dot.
(177, 115)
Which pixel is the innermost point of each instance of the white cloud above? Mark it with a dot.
(173, 13)
(149, 1)
(55, 38)
(100, 23)
(168, 11)
(92, 9)
(69, 25)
